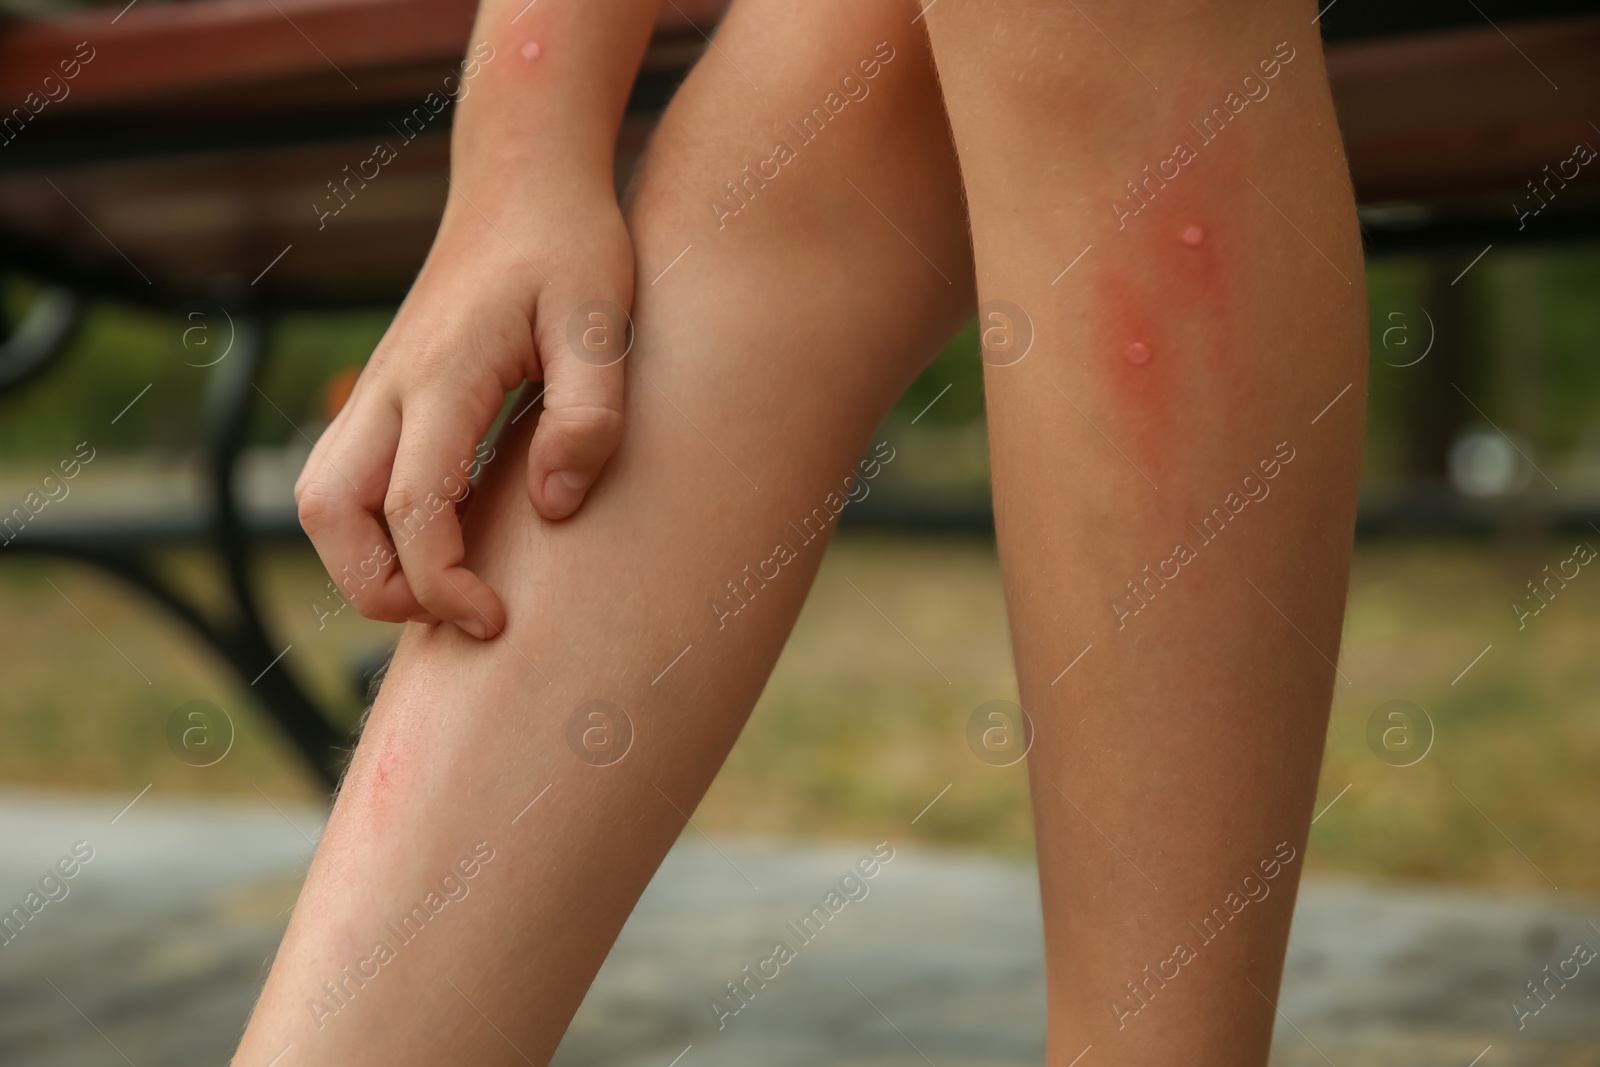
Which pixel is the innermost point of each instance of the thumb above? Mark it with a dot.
(582, 349)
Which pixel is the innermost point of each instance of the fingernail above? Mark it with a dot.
(563, 491)
(476, 627)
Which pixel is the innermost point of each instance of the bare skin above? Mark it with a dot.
(532, 243)
(763, 340)
(1175, 758)
(1191, 346)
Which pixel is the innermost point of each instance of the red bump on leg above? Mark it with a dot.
(1193, 236)
(531, 50)
(1138, 352)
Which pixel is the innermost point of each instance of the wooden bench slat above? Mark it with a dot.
(231, 48)
(1465, 111)
(202, 133)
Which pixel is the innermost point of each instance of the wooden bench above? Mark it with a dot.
(184, 161)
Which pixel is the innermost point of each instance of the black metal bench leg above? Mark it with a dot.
(232, 387)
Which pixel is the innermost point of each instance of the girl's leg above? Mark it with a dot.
(1160, 190)
(445, 920)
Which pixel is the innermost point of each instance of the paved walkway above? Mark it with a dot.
(164, 936)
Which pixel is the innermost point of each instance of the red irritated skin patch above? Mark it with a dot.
(1164, 335)
(522, 52)
(395, 764)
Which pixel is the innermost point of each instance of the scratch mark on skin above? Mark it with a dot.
(390, 779)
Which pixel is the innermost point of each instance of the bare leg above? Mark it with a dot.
(1176, 368)
(761, 365)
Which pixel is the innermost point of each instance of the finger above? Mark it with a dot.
(583, 349)
(431, 476)
(339, 497)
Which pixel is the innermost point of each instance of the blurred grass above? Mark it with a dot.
(1518, 736)
(93, 671)
(857, 733)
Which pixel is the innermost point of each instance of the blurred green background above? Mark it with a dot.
(855, 733)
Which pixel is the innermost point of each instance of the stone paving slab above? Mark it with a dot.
(159, 947)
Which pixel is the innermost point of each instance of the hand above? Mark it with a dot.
(493, 306)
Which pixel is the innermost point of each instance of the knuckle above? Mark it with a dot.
(411, 510)
(316, 504)
(407, 515)
(384, 595)
(430, 590)
(590, 425)
(402, 501)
